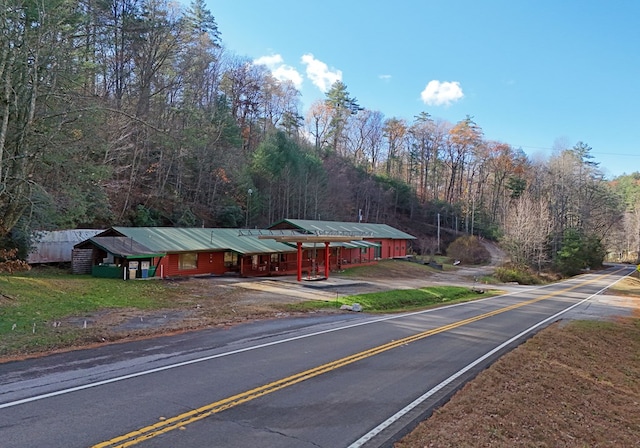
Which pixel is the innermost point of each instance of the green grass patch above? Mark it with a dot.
(488, 279)
(31, 302)
(398, 300)
(360, 271)
(393, 268)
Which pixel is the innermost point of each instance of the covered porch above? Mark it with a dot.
(321, 256)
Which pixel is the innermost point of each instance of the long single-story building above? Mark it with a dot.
(346, 243)
(302, 247)
(376, 241)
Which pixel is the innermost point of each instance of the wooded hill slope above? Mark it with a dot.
(132, 112)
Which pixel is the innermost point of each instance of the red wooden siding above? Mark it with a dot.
(282, 264)
(207, 263)
(392, 248)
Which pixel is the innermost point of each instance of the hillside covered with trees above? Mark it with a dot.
(132, 112)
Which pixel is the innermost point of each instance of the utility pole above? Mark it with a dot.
(438, 233)
(249, 193)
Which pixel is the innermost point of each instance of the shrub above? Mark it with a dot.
(516, 274)
(469, 250)
(10, 263)
(578, 251)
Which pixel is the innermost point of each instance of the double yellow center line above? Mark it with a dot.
(182, 420)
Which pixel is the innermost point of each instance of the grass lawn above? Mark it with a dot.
(32, 303)
(44, 309)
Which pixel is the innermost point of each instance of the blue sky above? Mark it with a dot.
(537, 75)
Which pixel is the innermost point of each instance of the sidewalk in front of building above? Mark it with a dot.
(308, 288)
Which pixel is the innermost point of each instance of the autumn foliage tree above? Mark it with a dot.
(133, 112)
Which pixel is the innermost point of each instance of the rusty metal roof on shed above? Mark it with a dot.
(196, 239)
(366, 230)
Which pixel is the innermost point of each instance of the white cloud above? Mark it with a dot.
(287, 73)
(280, 70)
(270, 61)
(318, 72)
(385, 78)
(441, 93)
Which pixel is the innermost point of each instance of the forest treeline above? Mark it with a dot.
(132, 112)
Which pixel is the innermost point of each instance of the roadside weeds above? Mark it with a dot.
(573, 384)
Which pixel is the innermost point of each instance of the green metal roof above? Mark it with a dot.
(366, 244)
(347, 245)
(366, 230)
(162, 240)
(124, 247)
(196, 239)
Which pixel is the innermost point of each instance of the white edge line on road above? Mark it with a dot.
(242, 350)
(229, 353)
(384, 425)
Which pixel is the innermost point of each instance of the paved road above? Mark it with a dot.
(333, 381)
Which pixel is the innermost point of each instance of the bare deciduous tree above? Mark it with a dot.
(526, 231)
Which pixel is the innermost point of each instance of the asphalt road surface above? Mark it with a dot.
(345, 380)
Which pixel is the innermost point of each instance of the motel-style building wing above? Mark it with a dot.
(307, 248)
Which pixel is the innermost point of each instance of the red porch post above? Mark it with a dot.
(299, 244)
(327, 256)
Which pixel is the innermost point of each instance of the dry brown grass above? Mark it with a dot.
(630, 286)
(572, 385)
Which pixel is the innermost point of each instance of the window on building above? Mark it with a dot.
(188, 261)
(230, 259)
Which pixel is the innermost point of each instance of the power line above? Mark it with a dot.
(590, 152)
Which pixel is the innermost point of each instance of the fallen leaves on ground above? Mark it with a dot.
(572, 385)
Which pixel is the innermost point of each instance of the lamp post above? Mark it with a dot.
(249, 193)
